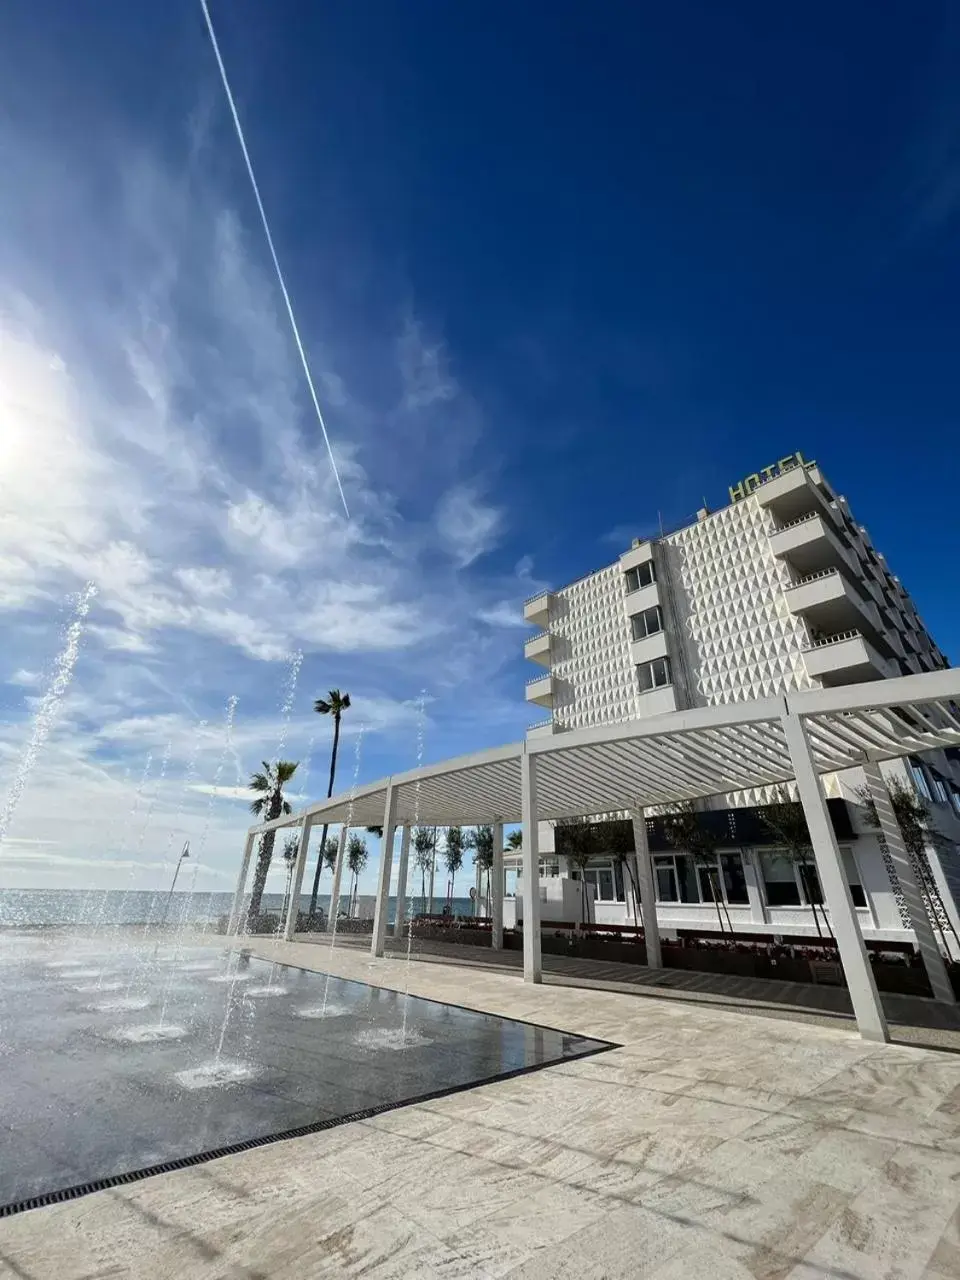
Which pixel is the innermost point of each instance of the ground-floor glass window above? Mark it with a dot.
(791, 883)
(681, 878)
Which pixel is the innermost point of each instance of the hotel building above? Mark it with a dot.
(780, 590)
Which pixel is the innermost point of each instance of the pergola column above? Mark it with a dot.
(290, 924)
(386, 866)
(532, 967)
(912, 896)
(496, 889)
(867, 1008)
(334, 912)
(233, 925)
(648, 891)
(402, 881)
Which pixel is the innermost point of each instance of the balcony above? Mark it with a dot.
(540, 691)
(809, 544)
(844, 658)
(542, 729)
(830, 605)
(537, 649)
(536, 610)
(792, 494)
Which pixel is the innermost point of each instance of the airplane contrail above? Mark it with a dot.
(273, 253)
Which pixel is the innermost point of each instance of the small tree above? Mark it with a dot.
(684, 831)
(918, 830)
(483, 855)
(356, 861)
(579, 839)
(786, 824)
(619, 843)
(424, 844)
(453, 855)
(291, 847)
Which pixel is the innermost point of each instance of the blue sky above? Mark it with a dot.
(561, 270)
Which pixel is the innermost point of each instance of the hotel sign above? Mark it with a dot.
(751, 483)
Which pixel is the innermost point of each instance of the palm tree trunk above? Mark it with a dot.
(433, 872)
(323, 834)
(260, 877)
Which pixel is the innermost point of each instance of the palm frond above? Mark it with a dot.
(259, 782)
(286, 769)
(257, 806)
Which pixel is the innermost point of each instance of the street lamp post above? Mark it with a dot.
(166, 907)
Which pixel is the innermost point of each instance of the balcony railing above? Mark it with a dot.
(814, 577)
(536, 679)
(540, 635)
(541, 724)
(792, 524)
(820, 642)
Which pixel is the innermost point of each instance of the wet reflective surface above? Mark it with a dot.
(116, 1058)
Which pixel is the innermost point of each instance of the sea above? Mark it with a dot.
(106, 908)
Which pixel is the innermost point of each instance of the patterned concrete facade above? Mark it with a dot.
(777, 592)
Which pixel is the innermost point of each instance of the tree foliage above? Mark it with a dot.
(269, 803)
(687, 834)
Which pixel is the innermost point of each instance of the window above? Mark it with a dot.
(602, 880)
(642, 576)
(647, 623)
(734, 881)
(955, 798)
(779, 880)
(676, 878)
(666, 880)
(680, 879)
(940, 793)
(919, 775)
(791, 884)
(853, 878)
(653, 675)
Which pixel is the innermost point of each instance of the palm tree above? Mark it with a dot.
(918, 831)
(483, 857)
(268, 805)
(335, 704)
(424, 845)
(683, 829)
(787, 824)
(515, 839)
(453, 855)
(356, 861)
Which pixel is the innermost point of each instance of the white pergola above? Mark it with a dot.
(640, 764)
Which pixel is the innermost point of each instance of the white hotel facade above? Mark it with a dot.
(779, 591)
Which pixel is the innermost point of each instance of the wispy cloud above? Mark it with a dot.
(467, 525)
(146, 376)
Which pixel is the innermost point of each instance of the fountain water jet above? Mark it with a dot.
(46, 714)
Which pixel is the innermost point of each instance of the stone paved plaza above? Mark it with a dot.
(711, 1144)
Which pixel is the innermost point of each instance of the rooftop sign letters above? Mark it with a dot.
(752, 483)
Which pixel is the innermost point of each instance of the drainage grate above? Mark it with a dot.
(201, 1157)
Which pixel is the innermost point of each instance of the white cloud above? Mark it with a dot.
(467, 526)
(423, 368)
(157, 441)
(506, 613)
(28, 679)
